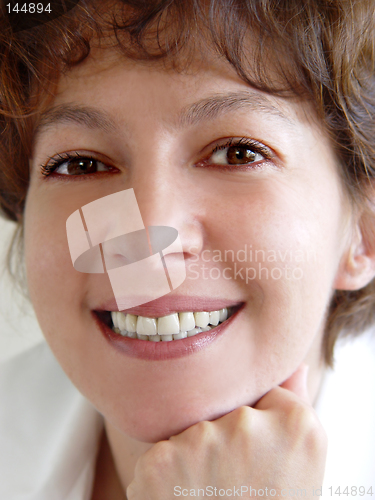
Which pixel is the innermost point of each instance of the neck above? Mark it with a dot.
(126, 452)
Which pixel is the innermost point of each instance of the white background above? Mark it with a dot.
(18, 326)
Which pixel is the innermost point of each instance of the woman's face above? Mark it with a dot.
(251, 184)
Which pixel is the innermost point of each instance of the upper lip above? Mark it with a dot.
(170, 304)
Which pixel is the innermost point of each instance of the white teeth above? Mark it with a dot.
(206, 328)
(155, 338)
(181, 335)
(202, 318)
(142, 337)
(214, 318)
(174, 326)
(223, 314)
(131, 322)
(168, 325)
(121, 321)
(114, 319)
(187, 321)
(194, 331)
(146, 326)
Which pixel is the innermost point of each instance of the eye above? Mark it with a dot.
(73, 164)
(239, 152)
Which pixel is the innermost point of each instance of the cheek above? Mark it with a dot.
(60, 295)
(282, 248)
(46, 254)
(284, 235)
(55, 288)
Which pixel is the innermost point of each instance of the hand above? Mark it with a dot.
(279, 444)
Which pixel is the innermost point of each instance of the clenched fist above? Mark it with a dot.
(279, 444)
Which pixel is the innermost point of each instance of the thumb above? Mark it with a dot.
(297, 383)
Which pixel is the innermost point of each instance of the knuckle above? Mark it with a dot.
(316, 440)
(240, 424)
(300, 415)
(204, 427)
(204, 433)
(161, 455)
(200, 431)
(242, 415)
(304, 424)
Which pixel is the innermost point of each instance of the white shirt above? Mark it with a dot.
(49, 433)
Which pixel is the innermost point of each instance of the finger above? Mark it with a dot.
(294, 389)
(297, 383)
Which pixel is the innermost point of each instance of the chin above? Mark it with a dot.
(152, 433)
(157, 424)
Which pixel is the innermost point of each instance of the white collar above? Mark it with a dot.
(49, 432)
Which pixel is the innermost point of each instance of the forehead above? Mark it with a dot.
(201, 89)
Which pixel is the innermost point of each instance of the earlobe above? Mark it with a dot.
(357, 266)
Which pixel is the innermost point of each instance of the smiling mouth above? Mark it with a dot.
(167, 328)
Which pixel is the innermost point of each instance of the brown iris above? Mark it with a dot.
(81, 166)
(240, 155)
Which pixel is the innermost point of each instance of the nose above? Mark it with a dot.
(164, 198)
(174, 234)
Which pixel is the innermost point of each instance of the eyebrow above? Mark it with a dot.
(88, 116)
(205, 109)
(211, 107)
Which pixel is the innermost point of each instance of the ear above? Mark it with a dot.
(357, 265)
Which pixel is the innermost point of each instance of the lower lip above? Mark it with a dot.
(159, 351)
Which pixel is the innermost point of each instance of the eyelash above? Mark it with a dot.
(54, 163)
(252, 144)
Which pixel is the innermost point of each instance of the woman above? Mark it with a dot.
(248, 128)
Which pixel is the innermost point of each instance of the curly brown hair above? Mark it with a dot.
(322, 51)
